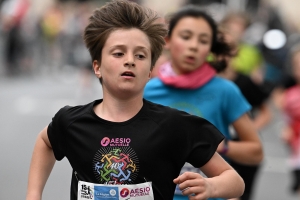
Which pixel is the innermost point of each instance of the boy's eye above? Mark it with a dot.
(118, 54)
(140, 56)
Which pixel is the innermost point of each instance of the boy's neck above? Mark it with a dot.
(117, 110)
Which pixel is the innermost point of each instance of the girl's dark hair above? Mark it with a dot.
(219, 47)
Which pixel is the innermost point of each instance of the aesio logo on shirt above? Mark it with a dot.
(115, 141)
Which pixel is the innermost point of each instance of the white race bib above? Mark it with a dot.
(93, 191)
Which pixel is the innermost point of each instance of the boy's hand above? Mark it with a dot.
(194, 185)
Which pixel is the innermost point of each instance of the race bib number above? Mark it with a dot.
(93, 191)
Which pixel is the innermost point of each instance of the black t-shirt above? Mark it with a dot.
(287, 81)
(153, 145)
(255, 94)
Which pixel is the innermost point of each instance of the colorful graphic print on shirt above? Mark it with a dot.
(115, 163)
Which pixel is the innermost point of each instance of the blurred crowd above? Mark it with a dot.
(266, 65)
(47, 40)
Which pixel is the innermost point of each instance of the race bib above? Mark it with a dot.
(93, 191)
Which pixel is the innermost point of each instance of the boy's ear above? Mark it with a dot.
(96, 67)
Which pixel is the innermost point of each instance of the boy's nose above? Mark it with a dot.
(130, 61)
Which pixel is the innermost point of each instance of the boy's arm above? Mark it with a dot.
(41, 165)
(222, 182)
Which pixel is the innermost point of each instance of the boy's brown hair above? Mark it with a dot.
(122, 14)
(240, 16)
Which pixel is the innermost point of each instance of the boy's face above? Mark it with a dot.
(125, 64)
(236, 29)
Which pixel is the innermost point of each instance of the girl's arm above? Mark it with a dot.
(248, 150)
(222, 182)
(41, 165)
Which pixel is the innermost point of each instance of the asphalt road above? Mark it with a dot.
(27, 105)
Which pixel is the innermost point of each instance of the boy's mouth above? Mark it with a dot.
(128, 74)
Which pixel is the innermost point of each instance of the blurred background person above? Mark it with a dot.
(51, 25)
(253, 91)
(291, 132)
(273, 45)
(12, 14)
(248, 60)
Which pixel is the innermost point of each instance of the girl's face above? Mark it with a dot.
(189, 44)
(296, 66)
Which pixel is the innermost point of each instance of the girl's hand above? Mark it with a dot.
(194, 185)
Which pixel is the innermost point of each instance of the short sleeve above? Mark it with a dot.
(57, 133)
(234, 103)
(204, 139)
